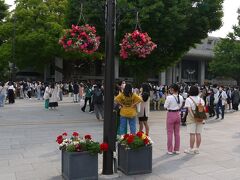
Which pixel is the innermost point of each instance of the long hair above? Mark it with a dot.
(145, 91)
(52, 85)
(128, 90)
(176, 89)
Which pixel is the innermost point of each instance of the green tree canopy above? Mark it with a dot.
(174, 25)
(227, 56)
(38, 25)
(3, 37)
(3, 10)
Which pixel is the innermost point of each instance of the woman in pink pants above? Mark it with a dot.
(173, 105)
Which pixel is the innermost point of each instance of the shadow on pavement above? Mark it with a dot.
(170, 166)
(56, 178)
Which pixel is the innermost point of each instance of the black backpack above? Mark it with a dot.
(98, 96)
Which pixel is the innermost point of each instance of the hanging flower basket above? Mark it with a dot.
(136, 44)
(80, 38)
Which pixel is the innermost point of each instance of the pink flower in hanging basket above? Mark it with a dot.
(136, 44)
(80, 38)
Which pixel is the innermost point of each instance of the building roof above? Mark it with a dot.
(203, 50)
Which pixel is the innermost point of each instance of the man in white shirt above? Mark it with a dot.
(221, 102)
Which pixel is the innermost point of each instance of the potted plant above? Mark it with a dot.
(80, 38)
(135, 154)
(79, 156)
(136, 44)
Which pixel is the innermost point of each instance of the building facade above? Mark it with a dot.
(193, 68)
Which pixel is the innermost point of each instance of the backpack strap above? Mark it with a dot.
(178, 102)
(193, 101)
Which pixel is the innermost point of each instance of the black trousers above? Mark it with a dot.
(218, 108)
(235, 106)
(11, 97)
(89, 100)
(211, 110)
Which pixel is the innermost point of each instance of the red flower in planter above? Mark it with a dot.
(78, 147)
(139, 134)
(146, 141)
(126, 136)
(130, 139)
(88, 137)
(75, 134)
(77, 143)
(104, 147)
(59, 139)
(64, 134)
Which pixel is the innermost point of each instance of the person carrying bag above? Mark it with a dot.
(199, 113)
(195, 118)
(46, 97)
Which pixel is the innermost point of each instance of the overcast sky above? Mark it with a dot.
(229, 19)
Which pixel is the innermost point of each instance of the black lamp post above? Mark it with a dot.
(109, 122)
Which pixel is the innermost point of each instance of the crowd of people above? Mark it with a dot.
(181, 101)
(184, 103)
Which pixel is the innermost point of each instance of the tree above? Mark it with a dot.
(3, 10)
(174, 25)
(3, 15)
(38, 25)
(3, 38)
(227, 56)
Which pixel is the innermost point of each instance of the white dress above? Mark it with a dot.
(144, 108)
(54, 97)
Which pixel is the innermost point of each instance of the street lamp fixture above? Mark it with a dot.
(109, 134)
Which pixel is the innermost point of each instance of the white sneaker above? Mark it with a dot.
(196, 151)
(169, 153)
(189, 151)
(177, 152)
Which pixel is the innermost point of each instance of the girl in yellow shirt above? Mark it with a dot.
(128, 112)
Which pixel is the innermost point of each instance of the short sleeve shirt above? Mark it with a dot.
(190, 104)
(127, 110)
(171, 102)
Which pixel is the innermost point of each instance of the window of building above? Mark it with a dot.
(210, 41)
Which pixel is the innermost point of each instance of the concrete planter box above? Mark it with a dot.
(79, 165)
(135, 161)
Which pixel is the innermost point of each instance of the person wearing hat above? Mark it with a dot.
(173, 105)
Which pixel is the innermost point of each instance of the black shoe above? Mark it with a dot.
(217, 117)
(184, 124)
(222, 118)
(82, 110)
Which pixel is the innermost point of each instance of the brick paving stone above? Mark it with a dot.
(28, 150)
(7, 176)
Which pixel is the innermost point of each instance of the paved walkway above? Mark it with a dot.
(28, 150)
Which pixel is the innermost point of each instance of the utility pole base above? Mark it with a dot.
(112, 176)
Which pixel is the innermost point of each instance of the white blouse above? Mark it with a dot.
(172, 104)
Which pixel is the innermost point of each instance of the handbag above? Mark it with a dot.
(207, 109)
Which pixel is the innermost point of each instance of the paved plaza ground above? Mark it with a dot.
(28, 150)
